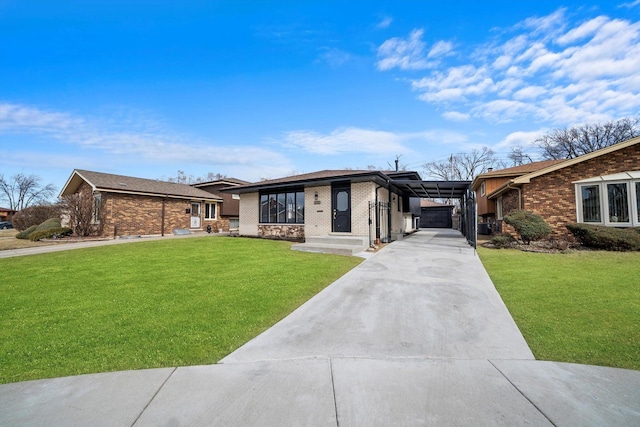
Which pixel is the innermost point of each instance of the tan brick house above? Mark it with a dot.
(126, 206)
(371, 206)
(601, 187)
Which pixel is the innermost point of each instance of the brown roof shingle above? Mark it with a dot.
(126, 184)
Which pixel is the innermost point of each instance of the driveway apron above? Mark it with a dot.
(415, 335)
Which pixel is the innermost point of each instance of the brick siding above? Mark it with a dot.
(553, 195)
(128, 215)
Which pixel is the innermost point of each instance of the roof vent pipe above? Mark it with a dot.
(489, 169)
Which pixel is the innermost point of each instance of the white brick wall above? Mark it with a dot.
(249, 214)
(317, 217)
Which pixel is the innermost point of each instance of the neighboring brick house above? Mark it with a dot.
(485, 184)
(7, 214)
(601, 187)
(372, 205)
(229, 214)
(126, 206)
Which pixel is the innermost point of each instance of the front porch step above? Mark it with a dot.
(341, 245)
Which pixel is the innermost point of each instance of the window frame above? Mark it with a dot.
(607, 205)
(207, 210)
(632, 187)
(290, 213)
(499, 209)
(96, 208)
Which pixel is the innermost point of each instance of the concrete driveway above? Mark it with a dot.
(415, 335)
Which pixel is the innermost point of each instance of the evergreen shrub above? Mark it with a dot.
(607, 238)
(529, 226)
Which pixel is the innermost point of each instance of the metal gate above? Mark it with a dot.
(379, 222)
(469, 218)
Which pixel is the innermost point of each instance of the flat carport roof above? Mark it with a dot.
(433, 189)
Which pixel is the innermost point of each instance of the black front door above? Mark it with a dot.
(341, 208)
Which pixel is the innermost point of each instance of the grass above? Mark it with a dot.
(579, 307)
(149, 304)
(8, 241)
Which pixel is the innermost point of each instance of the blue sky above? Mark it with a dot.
(264, 89)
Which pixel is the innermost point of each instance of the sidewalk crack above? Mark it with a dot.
(522, 393)
(153, 397)
(333, 389)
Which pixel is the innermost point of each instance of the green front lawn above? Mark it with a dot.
(149, 304)
(581, 307)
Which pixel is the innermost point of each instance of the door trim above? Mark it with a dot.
(336, 189)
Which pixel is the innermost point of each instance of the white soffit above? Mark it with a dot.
(622, 176)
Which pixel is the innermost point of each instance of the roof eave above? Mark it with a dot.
(375, 176)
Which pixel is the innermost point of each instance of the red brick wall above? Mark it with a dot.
(130, 215)
(553, 195)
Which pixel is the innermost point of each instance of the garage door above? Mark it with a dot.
(436, 217)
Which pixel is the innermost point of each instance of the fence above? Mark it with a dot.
(379, 222)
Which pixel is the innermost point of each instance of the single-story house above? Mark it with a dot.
(601, 187)
(377, 206)
(229, 212)
(125, 206)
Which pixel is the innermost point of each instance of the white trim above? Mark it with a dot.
(605, 219)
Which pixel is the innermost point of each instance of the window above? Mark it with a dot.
(209, 211)
(97, 203)
(618, 202)
(483, 188)
(591, 203)
(235, 196)
(282, 207)
(609, 200)
(234, 223)
(499, 207)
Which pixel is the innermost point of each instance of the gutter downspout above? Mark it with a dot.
(164, 199)
(390, 211)
(377, 208)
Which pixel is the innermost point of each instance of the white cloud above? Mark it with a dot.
(630, 4)
(347, 140)
(441, 48)
(553, 68)
(143, 144)
(385, 22)
(456, 84)
(520, 139)
(334, 57)
(409, 54)
(456, 116)
(353, 140)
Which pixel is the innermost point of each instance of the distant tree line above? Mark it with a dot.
(182, 178)
(565, 143)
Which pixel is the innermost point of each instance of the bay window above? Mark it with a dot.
(611, 200)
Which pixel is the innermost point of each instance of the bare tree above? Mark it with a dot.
(22, 191)
(463, 166)
(519, 157)
(80, 209)
(572, 142)
(182, 178)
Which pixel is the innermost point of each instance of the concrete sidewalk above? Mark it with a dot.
(69, 245)
(415, 335)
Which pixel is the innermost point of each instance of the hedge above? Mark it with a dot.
(51, 223)
(607, 238)
(50, 233)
